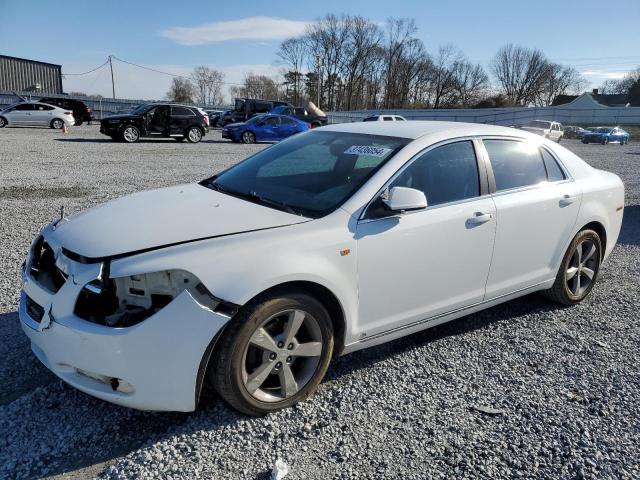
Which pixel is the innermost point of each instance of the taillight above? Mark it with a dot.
(68, 113)
(88, 110)
(206, 119)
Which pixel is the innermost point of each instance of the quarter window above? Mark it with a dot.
(445, 174)
(554, 172)
(515, 164)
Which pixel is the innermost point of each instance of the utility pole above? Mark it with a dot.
(317, 55)
(113, 85)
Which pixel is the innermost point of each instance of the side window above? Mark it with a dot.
(387, 119)
(554, 172)
(287, 121)
(445, 174)
(515, 164)
(41, 107)
(181, 112)
(272, 121)
(24, 107)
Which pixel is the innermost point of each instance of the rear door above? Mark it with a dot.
(536, 208)
(270, 129)
(288, 127)
(42, 114)
(181, 118)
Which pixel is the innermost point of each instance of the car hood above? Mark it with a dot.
(156, 218)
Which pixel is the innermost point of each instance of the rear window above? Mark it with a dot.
(515, 164)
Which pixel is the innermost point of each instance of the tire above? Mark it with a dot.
(604, 141)
(250, 374)
(194, 135)
(3, 122)
(566, 290)
(57, 124)
(585, 141)
(130, 134)
(78, 123)
(248, 137)
(559, 138)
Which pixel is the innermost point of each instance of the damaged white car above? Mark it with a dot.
(331, 241)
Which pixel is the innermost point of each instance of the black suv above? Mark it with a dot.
(81, 112)
(158, 120)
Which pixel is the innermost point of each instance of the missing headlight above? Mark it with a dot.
(126, 301)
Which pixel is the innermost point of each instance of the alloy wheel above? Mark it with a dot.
(3, 122)
(195, 135)
(57, 124)
(248, 137)
(282, 356)
(582, 268)
(130, 134)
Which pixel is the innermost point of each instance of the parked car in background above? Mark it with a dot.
(264, 128)
(385, 118)
(81, 112)
(339, 239)
(245, 108)
(572, 131)
(36, 114)
(604, 135)
(303, 114)
(158, 120)
(551, 130)
(214, 116)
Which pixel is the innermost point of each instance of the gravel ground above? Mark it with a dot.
(525, 389)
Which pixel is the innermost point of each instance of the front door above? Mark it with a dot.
(419, 265)
(537, 205)
(158, 121)
(270, 130)
(21, 114)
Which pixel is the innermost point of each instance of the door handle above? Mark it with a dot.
(567, 200)
(479, 218)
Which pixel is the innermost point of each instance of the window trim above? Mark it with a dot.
(482, 178)
(492, 180)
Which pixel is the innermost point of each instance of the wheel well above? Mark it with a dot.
(328, 300)
(600, 230)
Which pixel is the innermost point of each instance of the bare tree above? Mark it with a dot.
(520, 72)
(181, 91)
(471, 83)
(621, 86)
(559, 80)
(257, 86)
(293, 52)
(208, 84)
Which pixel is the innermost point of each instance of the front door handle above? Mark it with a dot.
(479, 218)
(567, 200)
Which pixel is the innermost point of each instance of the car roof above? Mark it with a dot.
(418, 128)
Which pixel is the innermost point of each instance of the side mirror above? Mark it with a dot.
(402, 199)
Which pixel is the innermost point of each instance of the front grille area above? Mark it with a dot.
(34, 310)
(43, 267)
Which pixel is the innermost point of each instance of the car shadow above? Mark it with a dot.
(86, 140)
(630, 231)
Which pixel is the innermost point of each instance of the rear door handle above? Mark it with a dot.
(479, 218)
(567, 200)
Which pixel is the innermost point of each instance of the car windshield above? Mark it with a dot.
(604, 130)
(140, 109)
(538, 124)
(309, 174)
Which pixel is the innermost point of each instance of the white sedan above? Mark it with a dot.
(36, 114)
(331, 241)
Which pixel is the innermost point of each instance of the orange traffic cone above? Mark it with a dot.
(65, 129)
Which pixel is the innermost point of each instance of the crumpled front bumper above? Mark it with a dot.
(153, 365)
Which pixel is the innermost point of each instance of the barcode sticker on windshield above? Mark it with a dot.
(368, 150)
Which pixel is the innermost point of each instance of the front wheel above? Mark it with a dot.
(248, 137)
(274, 353)
(3, 122)
(604, 141)
(130, 134)
(194, 135)
(579, 269)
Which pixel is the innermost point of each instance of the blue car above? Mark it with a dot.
(604, 135)
(264, 128)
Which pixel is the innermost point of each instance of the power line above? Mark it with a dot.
(90, 71)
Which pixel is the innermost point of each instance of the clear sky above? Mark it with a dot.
(601, 39)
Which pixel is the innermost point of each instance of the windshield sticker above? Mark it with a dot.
(369, 150)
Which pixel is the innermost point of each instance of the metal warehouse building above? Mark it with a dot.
(22, 75)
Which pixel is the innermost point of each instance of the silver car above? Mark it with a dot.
(36, 114)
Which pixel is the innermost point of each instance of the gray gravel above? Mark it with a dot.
(521, 390)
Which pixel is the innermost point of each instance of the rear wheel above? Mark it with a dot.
(579, 269)
(3, 122)
(78, 123)
(130, 134)
(274, 353)
(248, 137)
(194, 135)
(57, 124)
